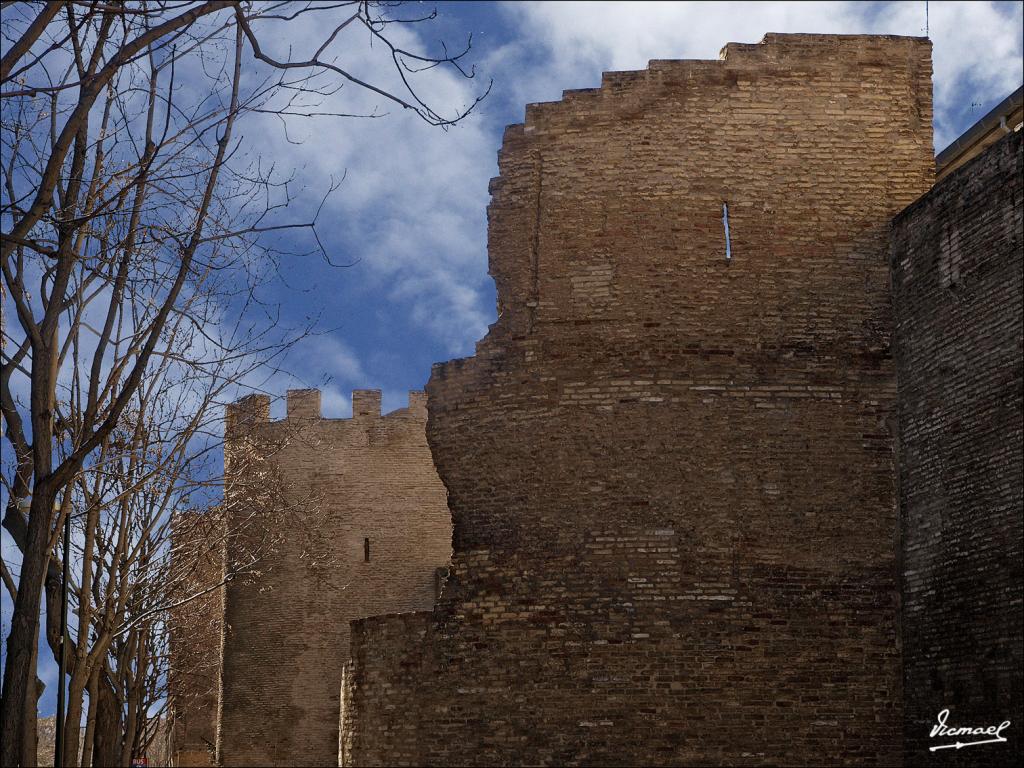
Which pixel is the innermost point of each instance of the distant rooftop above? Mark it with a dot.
(1005, 118)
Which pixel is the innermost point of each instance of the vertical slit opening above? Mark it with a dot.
(366, 550)
(725, 224)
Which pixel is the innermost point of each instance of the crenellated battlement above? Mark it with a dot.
(365, 403)
(304, 406)
(246, 413)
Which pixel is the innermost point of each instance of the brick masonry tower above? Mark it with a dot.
(352, 521)
(670, 463)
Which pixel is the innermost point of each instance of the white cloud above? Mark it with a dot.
(327, 355)
(976, 56)
(334, 404)
(412, 206)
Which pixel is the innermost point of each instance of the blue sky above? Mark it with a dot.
(411, 214)
(412, 210)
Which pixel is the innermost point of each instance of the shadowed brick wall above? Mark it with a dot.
(671, 474)
(958, 255)
(380, 530)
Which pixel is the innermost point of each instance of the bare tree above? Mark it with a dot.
(139, 548)
(134, 250)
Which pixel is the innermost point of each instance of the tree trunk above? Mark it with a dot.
(90, 720)
(21, 642)
(82, 675)
(73, 722)
(132, 684)
(40, 688)
(30, 725)
(129, 731)
(107, 737)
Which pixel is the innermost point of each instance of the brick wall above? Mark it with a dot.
(386, 670)
(957, 261)
(361, 526)
(194, 665)
(671, 474)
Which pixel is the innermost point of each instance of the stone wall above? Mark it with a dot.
(352, 521)
(671, 472)
(958, 255)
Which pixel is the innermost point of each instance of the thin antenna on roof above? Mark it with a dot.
(926, 18)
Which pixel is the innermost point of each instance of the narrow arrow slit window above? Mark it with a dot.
(725, 223)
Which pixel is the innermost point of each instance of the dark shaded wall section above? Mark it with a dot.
(957, 264)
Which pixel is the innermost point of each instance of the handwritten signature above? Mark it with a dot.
(941, 729)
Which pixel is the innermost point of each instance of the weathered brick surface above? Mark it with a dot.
(671, 475)
(193, 675)
(957, 262)
(287, 630)
(388, 657)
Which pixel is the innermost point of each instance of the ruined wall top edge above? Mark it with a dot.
(775, 50)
